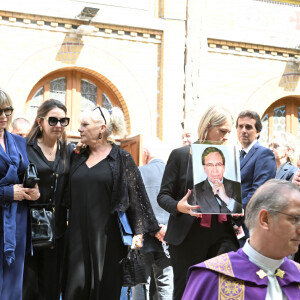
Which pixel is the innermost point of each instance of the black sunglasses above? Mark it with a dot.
(52, 121)
(100, 112)
(7, 111)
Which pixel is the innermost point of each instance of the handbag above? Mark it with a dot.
(133, 265)
(125, 229)
(43, 227)
(30, 176)
(133, 269)
(42, 218)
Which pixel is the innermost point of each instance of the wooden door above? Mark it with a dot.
(134, 146)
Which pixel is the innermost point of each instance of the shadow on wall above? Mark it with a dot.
(70, 49)
(290, 77)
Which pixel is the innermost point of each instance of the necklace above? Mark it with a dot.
(47, 149)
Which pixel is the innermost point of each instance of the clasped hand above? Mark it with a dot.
(219, 189)
(21, 193)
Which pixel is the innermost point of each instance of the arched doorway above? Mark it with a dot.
(282, 116)
(77, 88)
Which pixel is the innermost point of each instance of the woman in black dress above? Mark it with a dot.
(48, 150)
(103, 179)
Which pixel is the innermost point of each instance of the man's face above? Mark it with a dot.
(21, 129)
(285, 234)
(246, 131)
(213, 167)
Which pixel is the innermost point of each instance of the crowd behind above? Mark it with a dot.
(186, 253)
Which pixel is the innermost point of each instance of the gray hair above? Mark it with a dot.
(20, 121)
(154, 146)
(272, 196)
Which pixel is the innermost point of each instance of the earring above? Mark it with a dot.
(100, 136)
(41, 129)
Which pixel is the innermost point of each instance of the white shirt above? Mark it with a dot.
(269, 265)
(247, 149)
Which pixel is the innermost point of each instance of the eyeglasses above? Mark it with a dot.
(7, 111)
(217, 165)
(274, 145)
(296, 219)
(100, 112)
(52, 121)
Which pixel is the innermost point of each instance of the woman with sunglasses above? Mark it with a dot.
(47, 148)
(103, 179)
(13, 210)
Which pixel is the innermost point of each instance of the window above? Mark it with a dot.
(77, 90)
(281, 116)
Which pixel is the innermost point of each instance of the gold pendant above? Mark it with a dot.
(261, 274)
(280, 273)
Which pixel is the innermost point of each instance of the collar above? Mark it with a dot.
(247, 149)
(266, 263)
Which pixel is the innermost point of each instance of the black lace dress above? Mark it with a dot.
(94, 243)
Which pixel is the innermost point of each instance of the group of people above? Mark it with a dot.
(93, 184)
(87, 186)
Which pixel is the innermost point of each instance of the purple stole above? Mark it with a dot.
(231, 276)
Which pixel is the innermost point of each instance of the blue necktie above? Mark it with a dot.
(242, 155)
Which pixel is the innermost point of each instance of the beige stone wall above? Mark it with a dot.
(240, 55)
(147, 70)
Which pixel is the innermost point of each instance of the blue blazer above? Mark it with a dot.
(286, 172)
(257, 167)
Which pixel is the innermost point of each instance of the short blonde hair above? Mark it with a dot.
(213, 116)
(287, 140)
(6, 100)
(114, 121)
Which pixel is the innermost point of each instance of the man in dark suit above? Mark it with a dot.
(257, 163)
(217, 194)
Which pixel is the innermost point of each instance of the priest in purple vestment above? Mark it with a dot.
(261, 269)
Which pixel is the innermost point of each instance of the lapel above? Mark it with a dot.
(283, 171)
(249, 155)
(210, 199)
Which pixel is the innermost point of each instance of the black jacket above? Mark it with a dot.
(52, 190)
(128, 192)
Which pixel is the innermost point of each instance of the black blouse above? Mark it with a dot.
(129, 193)
(53, 181)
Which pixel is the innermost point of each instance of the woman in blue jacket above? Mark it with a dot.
(13, 210)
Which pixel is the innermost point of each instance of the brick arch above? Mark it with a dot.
(114, 94)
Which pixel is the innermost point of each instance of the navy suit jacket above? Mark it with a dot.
(208, 202)
(257, 167)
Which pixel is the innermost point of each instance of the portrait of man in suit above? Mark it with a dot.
(217, 194)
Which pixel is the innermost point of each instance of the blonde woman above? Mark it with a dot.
(104, 179)
(193, 240)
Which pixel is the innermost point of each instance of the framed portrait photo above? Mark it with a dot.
(217, 179)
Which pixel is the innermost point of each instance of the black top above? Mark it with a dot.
(128, 192)
(53, 181)
(90, 231)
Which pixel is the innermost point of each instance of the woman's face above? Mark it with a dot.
(219, 133)
(4, 119)
(89, 131)
(56, 131)
(280, 151)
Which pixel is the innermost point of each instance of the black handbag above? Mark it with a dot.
(133, 269)
(43, 227)
(30, 176)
